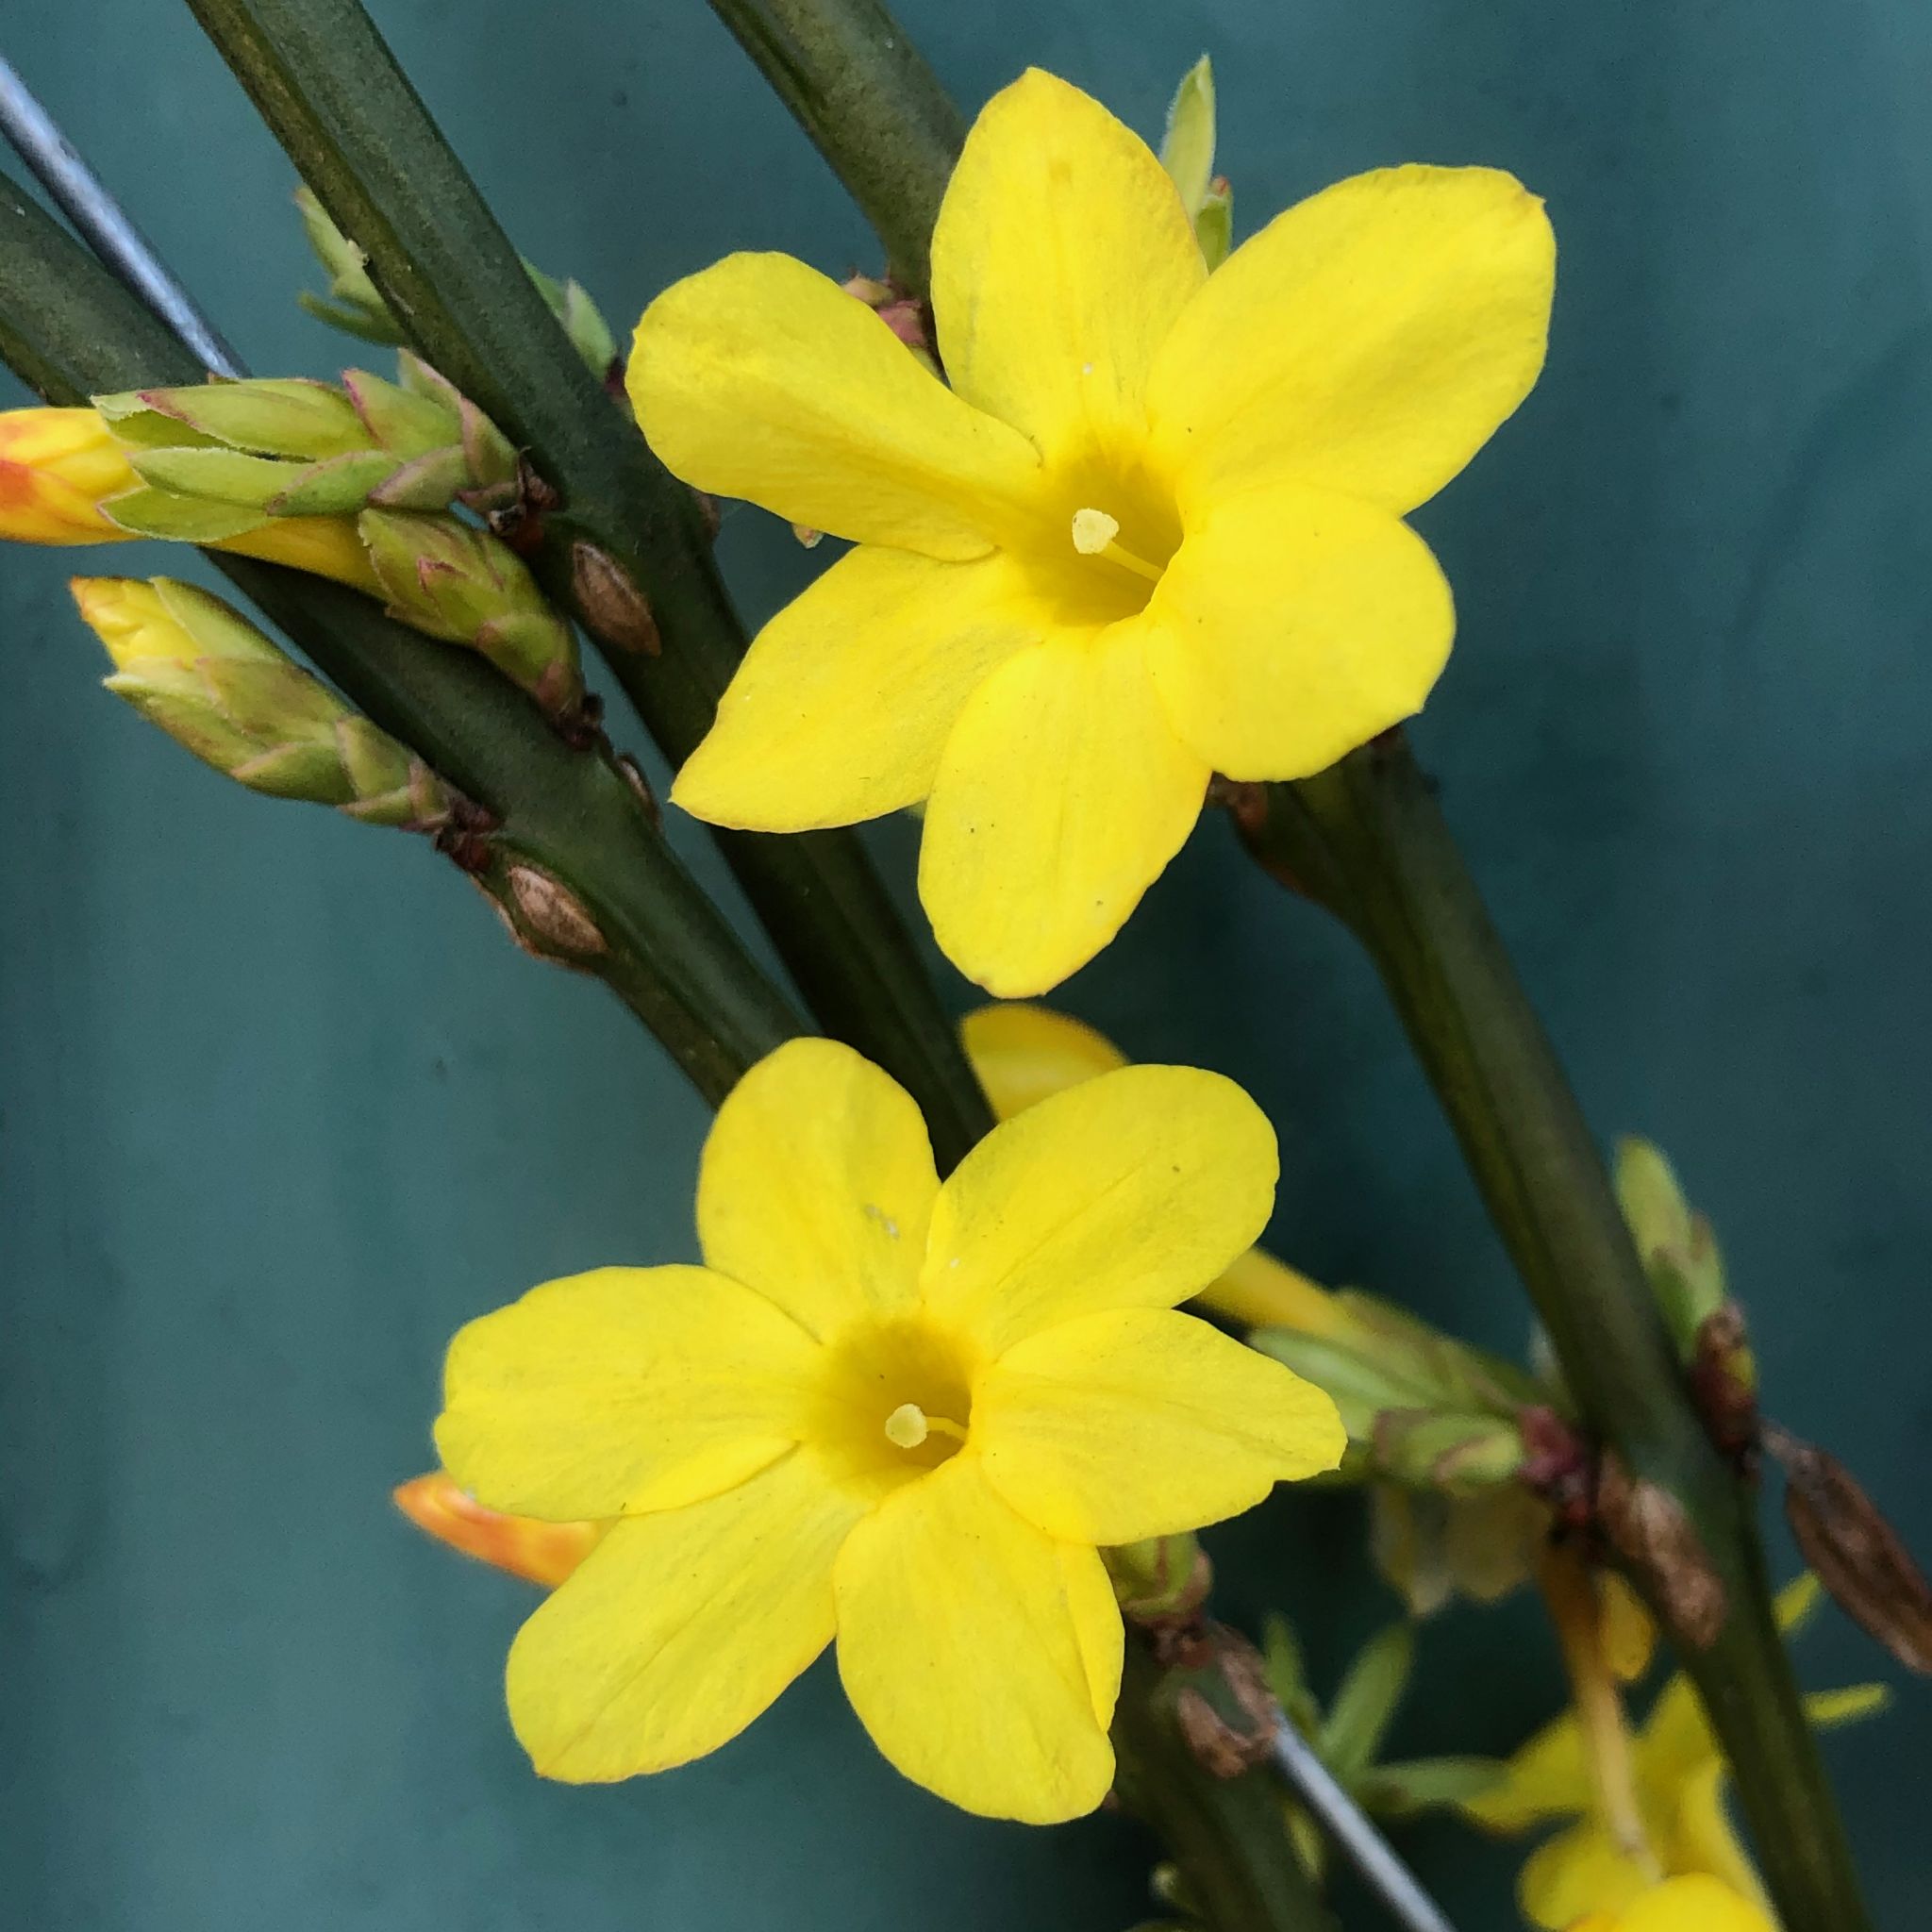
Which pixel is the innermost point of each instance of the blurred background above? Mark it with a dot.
(279, 1109)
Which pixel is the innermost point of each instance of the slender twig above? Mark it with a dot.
(871, 106)
(1369, 839)
(327, 85)
(1504, 1091)
(66, 328)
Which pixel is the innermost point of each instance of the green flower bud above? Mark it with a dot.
(1186, 151)
(216, 685)
(456, 582)
(1680, 1252)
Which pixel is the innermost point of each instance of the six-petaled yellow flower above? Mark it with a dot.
(1679, 1773)
(898, 1410)
(1153, 530)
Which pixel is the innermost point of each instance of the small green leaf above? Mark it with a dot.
(1422, 1784)
(1288, 1682)
(178, 518)
(1365, 1704)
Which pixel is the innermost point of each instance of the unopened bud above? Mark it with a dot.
(542, 1552)
(56, 467)
(218, 687)
(455, 582)
(302, 449)
(1679, 1253)
(1162, 1578)
(1186, 151)
(355, 304)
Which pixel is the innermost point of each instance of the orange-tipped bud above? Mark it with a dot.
(543, 1553)
(56, 467)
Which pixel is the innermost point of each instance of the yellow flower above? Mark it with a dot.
(1679, 1775)
(896, 1411)
(60, 468)
(1154, 529)
(1024, 1053)
(1695, 1903)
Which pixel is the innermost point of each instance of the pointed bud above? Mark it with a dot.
(1679, 1253)
(355, 304)
(1214, 223)
(1187, 149)
(302, 449)
(1160, 1580)
(543, 1553)
(216, 685)
(56, 467)
(455, 582)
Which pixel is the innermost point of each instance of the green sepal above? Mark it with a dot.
(186, 713)
(301, 768)
(428, 482)
(337, 488)
(1214, 223)
(216, 475)
(364, 325)
(281, 416)
(178, 518)
(407, 423)
(1455, 1452)
(273, 702)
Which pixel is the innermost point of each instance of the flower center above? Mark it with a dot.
(1096, 534)
(893, 1400)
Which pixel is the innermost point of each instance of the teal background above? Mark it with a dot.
(279, 1109)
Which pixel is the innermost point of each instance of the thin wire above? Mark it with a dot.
(1361, 1843)
(102, 222)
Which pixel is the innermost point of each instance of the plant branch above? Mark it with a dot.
(1366, 840)
(871, 106)
(69, 329)
(327, 85)
(1227, 1835)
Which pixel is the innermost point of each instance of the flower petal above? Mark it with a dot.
(761, 378)
(1061, 258)
(1141, 1422)
(1129, 1190)
(1579, 1870)
(1694, 1903)
(816, 1184)
(1702, 1836)
(1547, 1777)
(1292, 627)
(618, 1392)
(679, 1628)
(844, 701)
(1023, 1053)
(977, 1650)
(1367, 341)
(1062, 795)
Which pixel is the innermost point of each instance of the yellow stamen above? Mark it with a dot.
(908, 1425)
(1093, 535)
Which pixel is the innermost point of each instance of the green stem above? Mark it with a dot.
(68, 329)
(1368, 839)
(1227, 1835)
(871, 106)
(327, 85)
